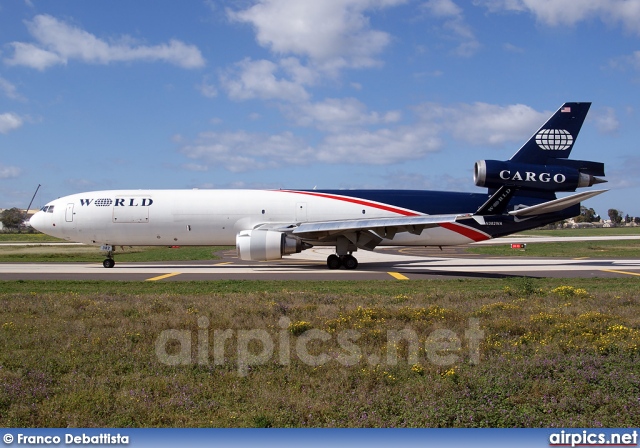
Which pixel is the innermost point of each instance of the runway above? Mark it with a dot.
(395, 264)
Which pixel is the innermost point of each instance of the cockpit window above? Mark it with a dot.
(44, 209)
(50, 210)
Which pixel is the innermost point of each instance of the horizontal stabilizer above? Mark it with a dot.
(555, 205)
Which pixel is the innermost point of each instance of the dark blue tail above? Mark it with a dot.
(555, 139)
(541, 167)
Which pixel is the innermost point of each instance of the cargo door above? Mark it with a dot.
(131, 209)
(68, 215)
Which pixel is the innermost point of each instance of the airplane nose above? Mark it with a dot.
(36, 221)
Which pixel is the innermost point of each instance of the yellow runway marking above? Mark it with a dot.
(397, 276)
(581, 258)
(223, 263)
(622, 272)
(160, 277)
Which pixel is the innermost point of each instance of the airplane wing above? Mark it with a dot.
(555, 205)
(368, 233)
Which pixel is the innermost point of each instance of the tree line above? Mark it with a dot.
(615, 216)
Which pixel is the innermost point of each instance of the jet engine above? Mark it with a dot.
(567, 175)
(264, 245)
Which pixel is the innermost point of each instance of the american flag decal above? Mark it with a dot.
(565, 109)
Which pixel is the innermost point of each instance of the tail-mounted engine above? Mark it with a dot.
(564, 175)
(264, 245)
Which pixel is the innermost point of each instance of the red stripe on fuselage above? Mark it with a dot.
(379, 206)
(466, 231)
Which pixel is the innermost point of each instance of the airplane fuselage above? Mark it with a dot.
(215, 217)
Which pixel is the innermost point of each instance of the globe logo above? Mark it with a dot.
(554, 139)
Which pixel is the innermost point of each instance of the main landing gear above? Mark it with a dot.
(343, 257)
(348, 261)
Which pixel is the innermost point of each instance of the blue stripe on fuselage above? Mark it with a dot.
(426, 201)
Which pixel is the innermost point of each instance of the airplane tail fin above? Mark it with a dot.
(541, 167)
(555, 139)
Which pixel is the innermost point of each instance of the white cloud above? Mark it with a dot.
(258, 79)
(299, 73)
(9, 90)
(195, 167)
(571, 12)
(242, 151)
(622, 62)
(311, 40)
(31, 56)
(59, 42)
(618, 175)
(484, 124)
(333, 32)
(443, 8)
(283, 80)
(512, 48)
(381, 147)
(477, 124)
(338, 113)
(207, 89)
(454, 24)
(418, 181)
(9, 122)
(9, 172)
(606, 120)
(351, 136)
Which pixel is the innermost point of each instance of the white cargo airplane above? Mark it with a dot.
(269, 224)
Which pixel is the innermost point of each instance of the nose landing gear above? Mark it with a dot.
(109, 262)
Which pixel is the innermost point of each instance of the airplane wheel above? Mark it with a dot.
(334, 262)
(108, 263)
(350, 262)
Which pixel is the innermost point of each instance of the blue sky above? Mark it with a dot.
(306, 93)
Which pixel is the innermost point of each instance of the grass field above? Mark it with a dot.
(565, 249)
(91, 254)
(615, 231)
(78, 253)
(467, 353)
(552, 353)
